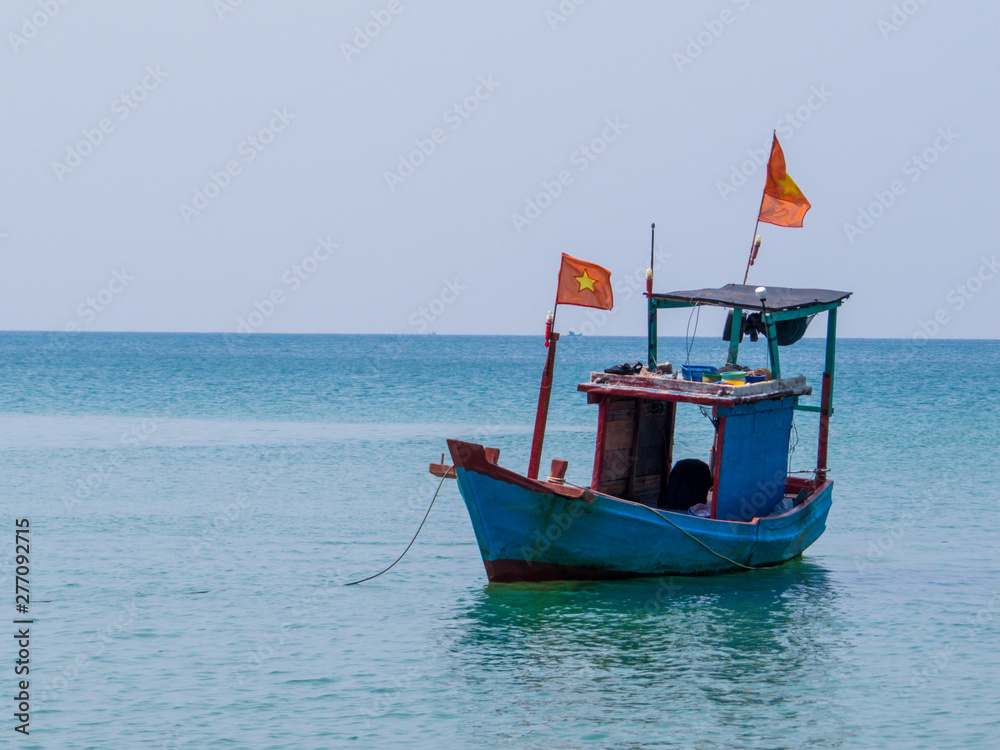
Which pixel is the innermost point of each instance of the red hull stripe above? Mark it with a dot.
(517, 571)
(512, 571)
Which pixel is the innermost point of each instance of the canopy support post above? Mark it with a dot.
(772, 345)
(717, 446)
(824, 427)
(735, 332)
(826, 398)
(831, 348)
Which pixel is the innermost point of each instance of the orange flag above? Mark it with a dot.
(783, 203)
(585, 284)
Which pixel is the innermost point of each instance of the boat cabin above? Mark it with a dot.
(747, 474)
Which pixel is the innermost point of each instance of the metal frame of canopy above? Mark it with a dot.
(785, 304)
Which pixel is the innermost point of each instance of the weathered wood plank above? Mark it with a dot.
(711, 394)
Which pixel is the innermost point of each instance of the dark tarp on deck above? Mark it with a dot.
(745, 297)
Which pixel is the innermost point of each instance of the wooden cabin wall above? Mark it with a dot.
(619, 441)
(638, 442)
(652, 463)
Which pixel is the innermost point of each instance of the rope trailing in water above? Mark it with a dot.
(355, 583)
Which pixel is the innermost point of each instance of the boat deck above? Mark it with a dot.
(669, 388)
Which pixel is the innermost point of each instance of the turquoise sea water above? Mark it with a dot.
(197, 501)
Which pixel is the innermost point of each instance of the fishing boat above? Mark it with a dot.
(643, 514)
(637, 518)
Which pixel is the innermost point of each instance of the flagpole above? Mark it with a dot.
(652, 244)
(544, 390)
(544, 393)
(755, 245)
(604, 300)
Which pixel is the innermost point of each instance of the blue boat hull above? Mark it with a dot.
(534, 531)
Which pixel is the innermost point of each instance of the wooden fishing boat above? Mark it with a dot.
(636, 517)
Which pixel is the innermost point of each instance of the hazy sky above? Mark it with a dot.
(409, 166)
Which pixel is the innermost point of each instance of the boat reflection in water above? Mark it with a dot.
(655, 657)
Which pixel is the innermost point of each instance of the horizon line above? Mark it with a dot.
(435, 334)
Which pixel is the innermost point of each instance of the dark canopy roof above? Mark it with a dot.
(745, 297)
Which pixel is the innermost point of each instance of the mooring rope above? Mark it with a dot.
(687, 533)
(354, 583)
(651, 510)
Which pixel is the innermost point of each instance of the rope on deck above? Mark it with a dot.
(687, 533)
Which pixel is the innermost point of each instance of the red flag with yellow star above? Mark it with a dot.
(584, 284)
(783, 203)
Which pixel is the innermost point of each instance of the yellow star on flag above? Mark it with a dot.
(788, 186)
(585, 282)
